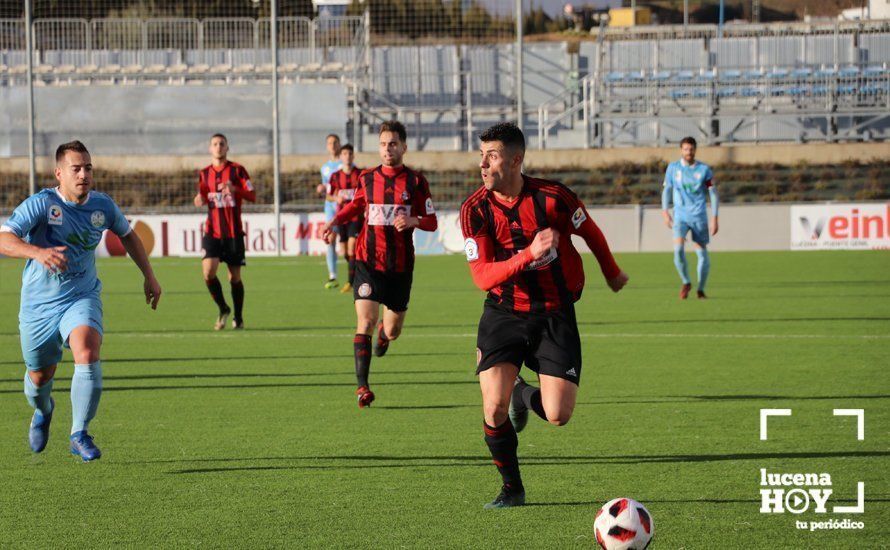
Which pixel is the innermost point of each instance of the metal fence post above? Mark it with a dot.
(276, 175)
(29, 47)
(520, 99)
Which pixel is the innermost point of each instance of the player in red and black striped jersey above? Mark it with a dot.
(394, 200)
(222, 187)
(343, 185)
(518, 244)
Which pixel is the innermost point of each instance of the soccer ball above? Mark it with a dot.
(623, 524)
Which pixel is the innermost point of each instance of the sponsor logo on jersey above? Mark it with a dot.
(97, 218)
(543, 261)
(54, 216)
(346, 194)
(405, 196)
(471, 249)
(429, 206)
(579, 217)
(386, 214)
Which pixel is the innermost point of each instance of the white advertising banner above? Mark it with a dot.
(840, 227)
(299, 234)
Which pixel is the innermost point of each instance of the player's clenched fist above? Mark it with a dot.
(53, 258)
(617, 282)
(544, 241)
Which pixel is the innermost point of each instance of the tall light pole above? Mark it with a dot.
(520, 99)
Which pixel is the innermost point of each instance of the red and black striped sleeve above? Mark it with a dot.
(423, 205)
(581, 224)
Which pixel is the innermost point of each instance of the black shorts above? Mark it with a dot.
(349, 230)
(230, 251)
(548, 343)
(391, 289)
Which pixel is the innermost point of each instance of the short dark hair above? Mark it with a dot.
(394, 126)
(348, 147)
(690, 140)
(220, 136)
(76, 146)
(335, 136)
(507, 133)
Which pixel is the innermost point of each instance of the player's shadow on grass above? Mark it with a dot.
(349, 384)
(413, 461)
(668, 322)
(745, 501)
(258, 357)
(668, 399)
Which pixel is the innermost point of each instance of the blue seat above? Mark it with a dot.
(678, 94)
(615, 77)
(820, 90)
(731, 75)
(661, 75)
(750, 92)
(777, 91)
(847, 89)
(635, 76)
(754, 74)
(700, 92)
(777, 74)
(848, 72)
(802, 73)
(707, 75)
(685, 75)
(871, 90)
(726, 92)
(874, 70)
(798, 91)
(828, 71)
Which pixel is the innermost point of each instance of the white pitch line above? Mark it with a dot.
(297, 334)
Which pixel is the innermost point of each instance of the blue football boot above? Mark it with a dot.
(82, 445)
(38, 433)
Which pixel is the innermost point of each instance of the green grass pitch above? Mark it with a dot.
(253, 439)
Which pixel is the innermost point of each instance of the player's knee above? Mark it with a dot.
(365, 325)
(41, 377)
(495, 413)
(86, 356)
(393, 332)
(561, 418)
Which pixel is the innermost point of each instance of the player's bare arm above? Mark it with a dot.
(133, 245)
(668, 220)
(53, 259)
(199, 200)
(715, 226)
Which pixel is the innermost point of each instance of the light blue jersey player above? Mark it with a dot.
(330, 204)
(57, 231)
(689, 184)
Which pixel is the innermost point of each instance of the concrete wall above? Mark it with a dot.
(783, 154)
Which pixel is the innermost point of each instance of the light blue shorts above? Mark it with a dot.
(42, 339)
(698, 226)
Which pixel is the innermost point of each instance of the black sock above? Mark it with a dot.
(502, 442)
(530, 397)
(238, 299)
(215, 289)
(351, 261)
(362, 346)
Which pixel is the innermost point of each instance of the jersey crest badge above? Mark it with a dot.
(579, 217)
(97, 218)
(54, 216)
(471, 249)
